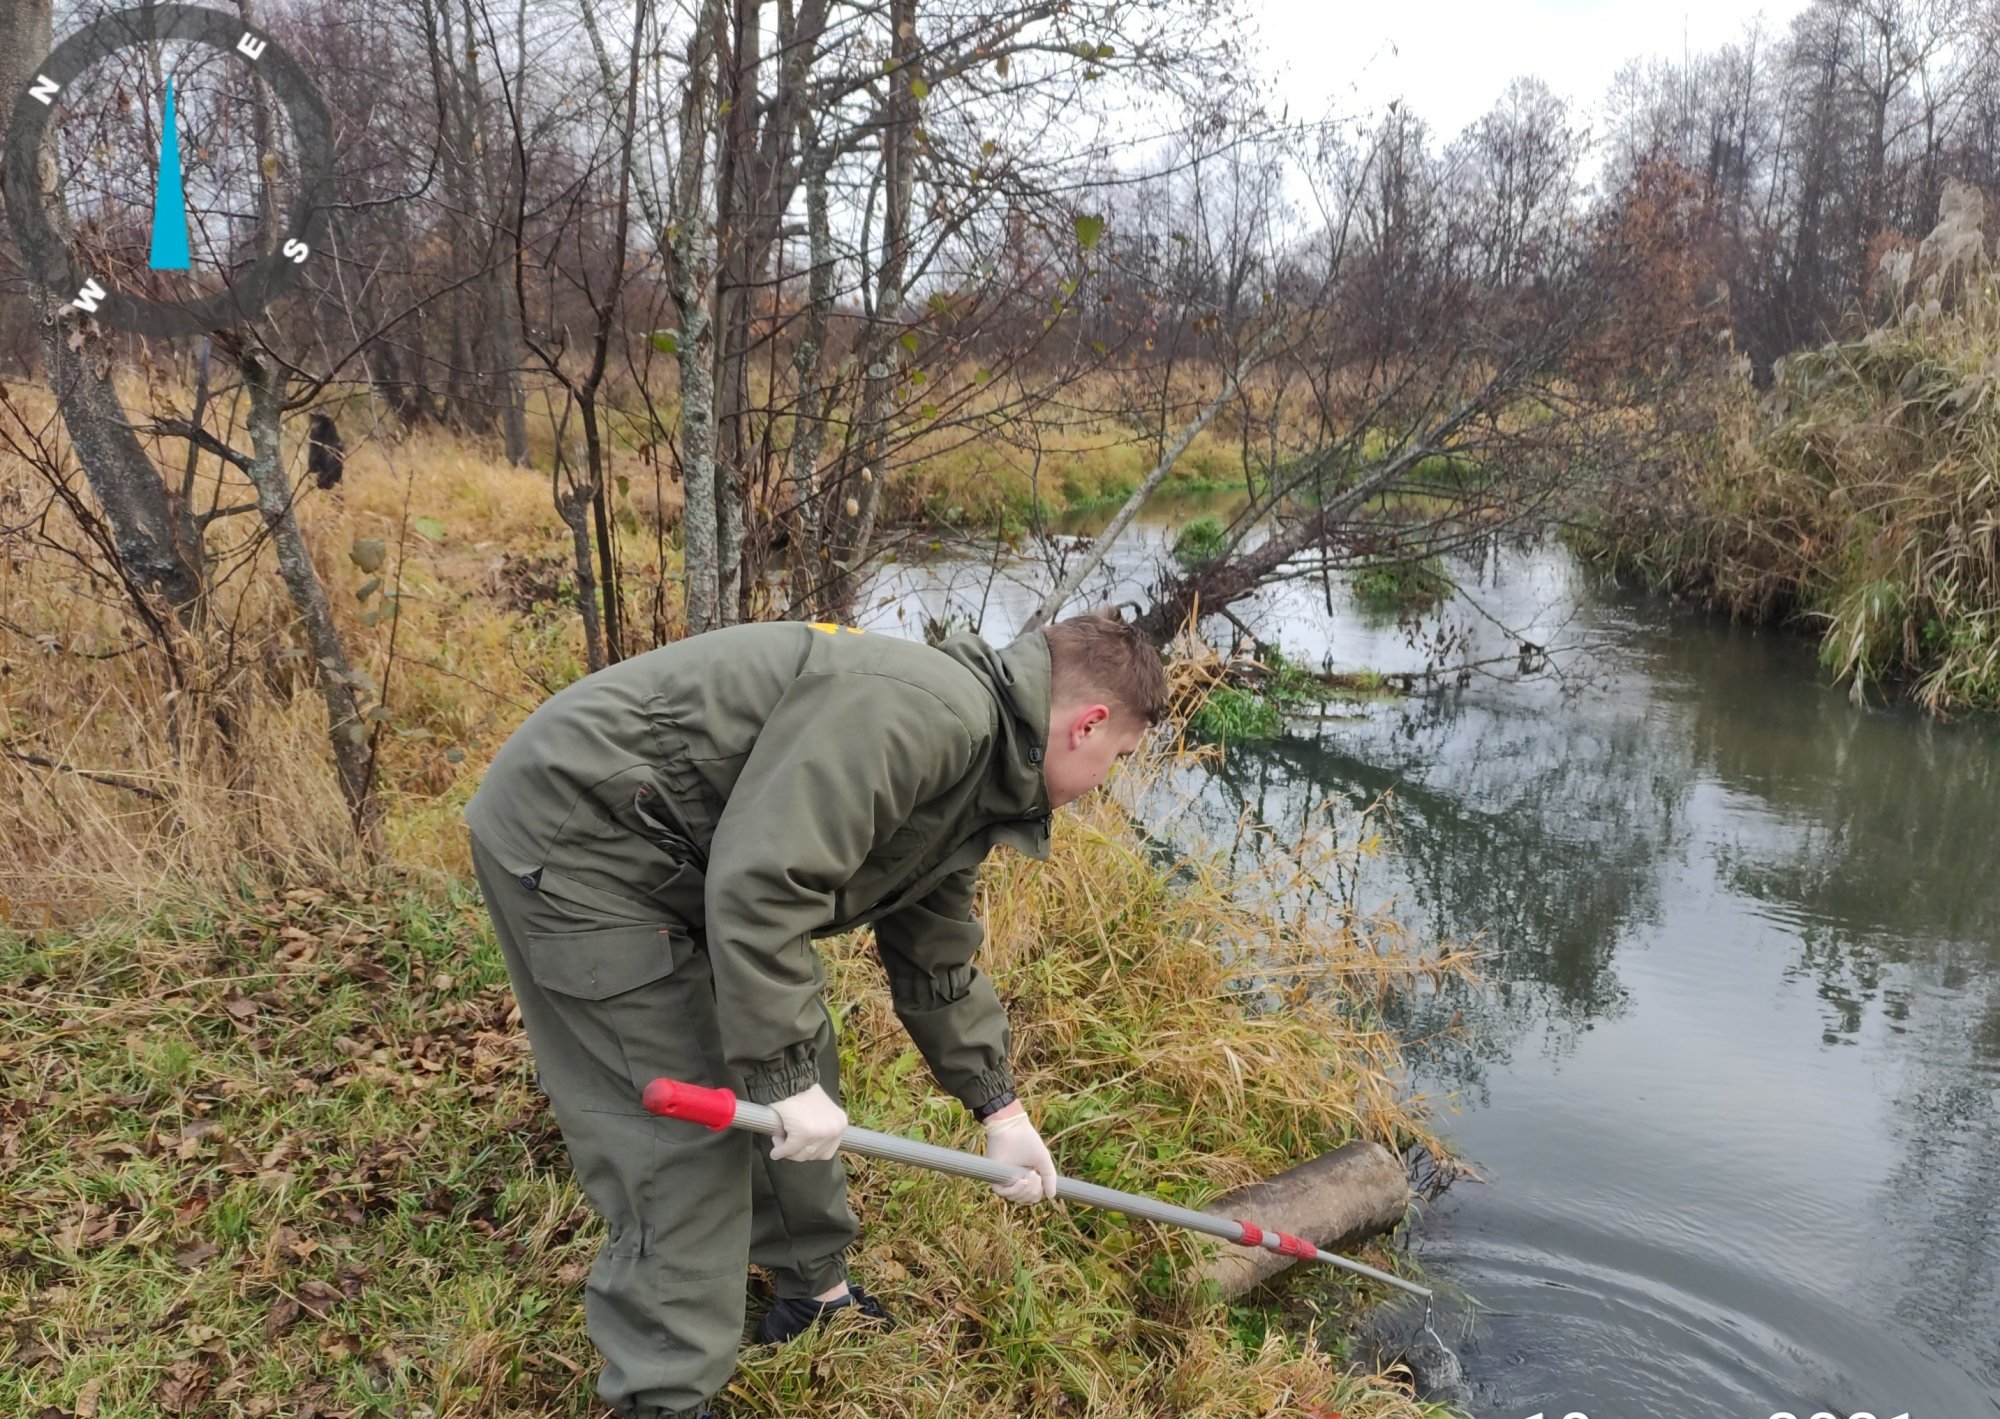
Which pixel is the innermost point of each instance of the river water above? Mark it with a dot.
(1733, 1074)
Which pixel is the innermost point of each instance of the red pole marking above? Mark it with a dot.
(1289, 1245)
(1253, 1235)
(670, 1098)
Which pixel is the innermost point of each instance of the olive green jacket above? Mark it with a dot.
(766, 784)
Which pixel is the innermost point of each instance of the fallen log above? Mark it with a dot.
(1344, 1197)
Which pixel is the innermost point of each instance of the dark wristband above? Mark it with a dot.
(993, 1105)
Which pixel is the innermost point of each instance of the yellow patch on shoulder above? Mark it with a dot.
(829, 627)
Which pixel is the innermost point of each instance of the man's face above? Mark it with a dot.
(1084, 741)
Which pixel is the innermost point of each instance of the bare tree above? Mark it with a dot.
(478, 175)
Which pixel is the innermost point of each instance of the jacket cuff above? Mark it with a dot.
(782, 1078)
(987, 1085)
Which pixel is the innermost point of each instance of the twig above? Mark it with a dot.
(54, 643)
(40, 762)
(201, 438)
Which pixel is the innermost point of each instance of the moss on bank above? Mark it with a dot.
(280, 1152)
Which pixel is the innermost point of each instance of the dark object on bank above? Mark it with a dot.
(326, 457)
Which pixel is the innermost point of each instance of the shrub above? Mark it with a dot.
(1198, 543)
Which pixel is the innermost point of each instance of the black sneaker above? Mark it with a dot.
(790, 1317)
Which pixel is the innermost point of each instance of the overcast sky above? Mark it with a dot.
(1449, 59)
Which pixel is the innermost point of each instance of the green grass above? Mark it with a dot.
(1238, 712)
(1402, 587)
(270, 1151)
(1233, 714)
(264, 1150)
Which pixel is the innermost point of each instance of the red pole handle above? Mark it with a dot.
(670, 1098)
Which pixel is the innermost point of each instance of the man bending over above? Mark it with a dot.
(658, 846)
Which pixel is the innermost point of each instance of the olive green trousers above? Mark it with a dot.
(609, 1005)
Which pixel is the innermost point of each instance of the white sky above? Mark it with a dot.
(1449, 59)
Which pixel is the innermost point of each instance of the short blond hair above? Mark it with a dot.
(1099, 655)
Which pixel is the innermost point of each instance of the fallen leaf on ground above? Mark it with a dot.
(204, 1337)
(282, 1316)
(363, 969)
(194, 1135)
(319, 1298)
(184, 1388)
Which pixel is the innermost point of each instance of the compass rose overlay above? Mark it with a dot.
(51, 258)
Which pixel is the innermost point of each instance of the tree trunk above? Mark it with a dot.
(881, 350)
(736, 223)
(346, 728)
(465, 400)
(808, 567)
(1335, 1201)
(605, 311)
(496, 345)
(687, 246)
(503, 310)
(505, 357)
(698, 480)
(573, 504)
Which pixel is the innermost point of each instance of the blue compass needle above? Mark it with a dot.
(170, 227)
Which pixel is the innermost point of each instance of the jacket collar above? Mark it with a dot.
(1018, 679)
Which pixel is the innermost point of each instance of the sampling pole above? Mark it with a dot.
(720, 1109)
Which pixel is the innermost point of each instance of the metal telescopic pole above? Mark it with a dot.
(720, 1109)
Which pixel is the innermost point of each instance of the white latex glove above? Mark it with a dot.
(809, 1126)
(1011, 1138)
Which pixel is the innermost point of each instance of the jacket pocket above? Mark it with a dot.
(598, 964)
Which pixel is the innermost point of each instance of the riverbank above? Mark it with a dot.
(281, 1153)
(1856, 500)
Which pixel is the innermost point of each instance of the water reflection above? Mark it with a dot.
(1698, 855)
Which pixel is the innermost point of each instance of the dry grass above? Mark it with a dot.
(1859, 497)
(486, 631)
